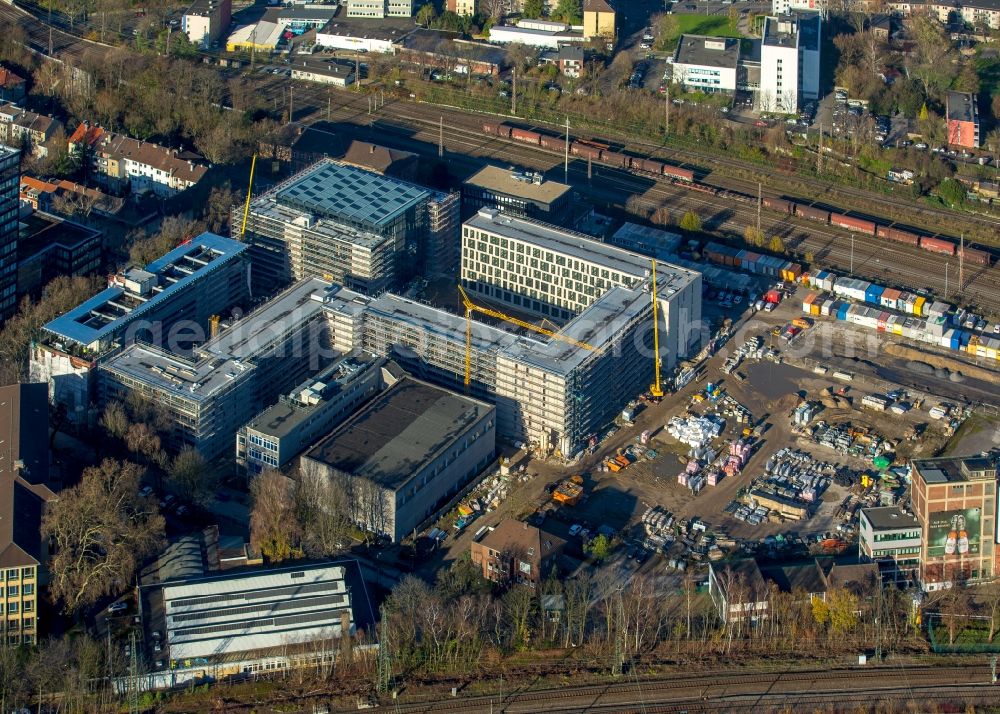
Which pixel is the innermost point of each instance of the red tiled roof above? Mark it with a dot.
(8, 79)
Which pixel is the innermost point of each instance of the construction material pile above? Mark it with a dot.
(695, 431)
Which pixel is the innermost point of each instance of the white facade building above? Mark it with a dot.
(536, 33)
(789, 62)
(783, 7)
(706, 64)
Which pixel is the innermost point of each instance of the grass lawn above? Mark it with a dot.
(713, 25)
(693, 24)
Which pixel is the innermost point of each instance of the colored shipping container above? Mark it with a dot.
(920, 306)
(889, 298)
(842, 311)
(873, 293)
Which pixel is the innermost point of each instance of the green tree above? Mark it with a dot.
(809, 257)
(426, 14)
(922, 115)
(951, 192)
(690, 222)
(533, 8)
(568, 11)
(598, 547)
(667, 32)
(777, 245)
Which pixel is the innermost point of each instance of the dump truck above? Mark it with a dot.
(568, 492)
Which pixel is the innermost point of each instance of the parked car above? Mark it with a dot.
(116, 607)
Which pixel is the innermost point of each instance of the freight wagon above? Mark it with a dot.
(495, 129)
(778, 204)
(937, 245)
(647, 165)
(528, 137)
(678, 173)
(977, 257)
(578, 149)
(898, 236)
(553, 142)
(813, 214)
(852, 224)
(615, 159)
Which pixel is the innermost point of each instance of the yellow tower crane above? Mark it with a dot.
(656, 389)
(246, 207)
(471, 307)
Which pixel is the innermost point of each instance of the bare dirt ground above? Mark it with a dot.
(770, 391)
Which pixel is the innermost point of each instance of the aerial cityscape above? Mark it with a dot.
(499, 356)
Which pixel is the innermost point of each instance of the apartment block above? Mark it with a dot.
(10, 168)
(205, 21)
(891, 537)
(342, 223)
(963, 120)
(227, 380)
(50, 246)
(955, 501)
(784, 7)
(167, 303)
(24, 473)
(125, 164)
(789, 62)
(24, 130)
(311, 410)
(403, 455)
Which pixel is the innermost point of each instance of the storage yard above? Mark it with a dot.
(775, 442)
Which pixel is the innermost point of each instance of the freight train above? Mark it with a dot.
(860, 225)
(589, 150)
(602, 153)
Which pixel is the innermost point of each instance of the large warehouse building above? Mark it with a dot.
(351, 226)
(404, 454)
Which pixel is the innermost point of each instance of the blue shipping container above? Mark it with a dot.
(873, 293)
(965, 337)
(842, 311)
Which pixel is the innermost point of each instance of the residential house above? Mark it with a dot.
(570, 60)
(13, 87)
(39, 195)
(598, 19)
(738, 590)
(126, 164)
(20, 128)
(963, 120)
(24, 473)
(518, 552)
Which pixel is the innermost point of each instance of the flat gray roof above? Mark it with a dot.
(339, 191)
(195, 381)
(962, 106)
(287, 414)
(774, 36)
(400, 431)
(692, 50)
(890, 517)
(516, 183)
(596, 326)
(247, 337)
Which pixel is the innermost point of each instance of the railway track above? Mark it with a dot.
(751, 692)
(65, 46)
(874, 259)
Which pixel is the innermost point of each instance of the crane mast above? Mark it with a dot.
(471, 307)
(656, 389)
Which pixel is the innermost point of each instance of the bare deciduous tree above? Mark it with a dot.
(101, 530)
